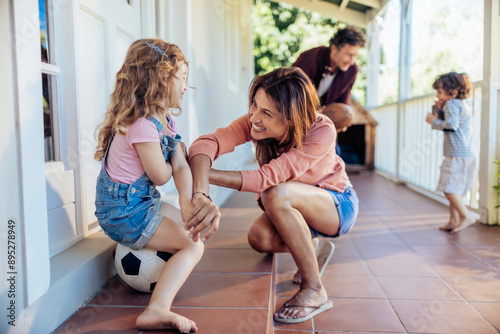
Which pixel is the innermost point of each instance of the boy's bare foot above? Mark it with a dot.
(162, 319)
(324, 251)
(306, 301)
(448, 227)
(463, 224)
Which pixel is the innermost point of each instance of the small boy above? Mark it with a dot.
(459, 164)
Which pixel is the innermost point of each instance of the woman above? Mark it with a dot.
(301, 184)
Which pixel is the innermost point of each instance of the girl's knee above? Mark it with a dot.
(196, 248)
(199, 247)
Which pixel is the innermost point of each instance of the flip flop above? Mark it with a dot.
(323, 261)
(330, 253)
(318, 309)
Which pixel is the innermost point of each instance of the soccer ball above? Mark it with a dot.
(140, 269)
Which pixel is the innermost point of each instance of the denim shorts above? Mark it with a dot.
(128, 213)
(347, 204)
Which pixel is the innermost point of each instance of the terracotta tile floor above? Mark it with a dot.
(394, 272)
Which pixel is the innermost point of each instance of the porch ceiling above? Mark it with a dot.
(356, 12)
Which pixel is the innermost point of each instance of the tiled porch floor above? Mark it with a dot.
(394, 272)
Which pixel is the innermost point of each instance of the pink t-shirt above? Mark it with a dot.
(123, 163)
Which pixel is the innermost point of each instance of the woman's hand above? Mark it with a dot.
(204, 214)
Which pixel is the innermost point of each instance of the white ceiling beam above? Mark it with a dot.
(333, 11)
(372, 13)
(369, 3)
(343, 4)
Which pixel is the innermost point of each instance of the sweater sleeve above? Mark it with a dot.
(307, 62)
(451, 120)
(292, 164)
(223, 140)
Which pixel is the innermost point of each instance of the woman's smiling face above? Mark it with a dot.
(267, 121)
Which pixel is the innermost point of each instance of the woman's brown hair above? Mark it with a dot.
(295, 97)
(454, 81)
(143, 84)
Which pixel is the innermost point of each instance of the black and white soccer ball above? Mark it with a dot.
(140, 269)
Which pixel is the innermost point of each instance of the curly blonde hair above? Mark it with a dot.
(144, 84)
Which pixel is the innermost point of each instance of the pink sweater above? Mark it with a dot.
(316, 163)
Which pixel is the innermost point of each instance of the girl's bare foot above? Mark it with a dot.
(163, 319)
(463, 224)
(448, 227)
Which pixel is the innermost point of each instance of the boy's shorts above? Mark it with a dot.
(457, 175)
(347, 204)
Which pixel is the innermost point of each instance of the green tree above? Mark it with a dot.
(281, 32)
(447, 36)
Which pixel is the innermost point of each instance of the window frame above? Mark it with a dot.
(52, 71)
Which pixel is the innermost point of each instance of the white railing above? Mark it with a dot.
(420, 147)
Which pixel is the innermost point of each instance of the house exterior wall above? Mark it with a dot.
(215, 36)
(10, 209)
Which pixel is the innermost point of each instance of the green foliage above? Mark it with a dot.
(281, 32)
(447, 36)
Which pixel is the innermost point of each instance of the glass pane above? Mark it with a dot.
(388, 80)
(44, 36)
(47, 117)
(447, 36)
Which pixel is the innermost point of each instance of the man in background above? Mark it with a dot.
(333, 69)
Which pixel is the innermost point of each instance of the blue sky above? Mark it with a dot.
(43, 21)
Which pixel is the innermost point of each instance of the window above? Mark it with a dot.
(49, 74)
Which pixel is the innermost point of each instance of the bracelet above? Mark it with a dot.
(201, 192)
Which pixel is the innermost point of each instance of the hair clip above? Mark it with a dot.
(154, 47)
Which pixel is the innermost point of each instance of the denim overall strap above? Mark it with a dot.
(103, 175)
(107, 150)
(167, 143)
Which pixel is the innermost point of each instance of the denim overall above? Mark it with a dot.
(130, 213)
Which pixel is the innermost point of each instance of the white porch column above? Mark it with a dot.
(490, 114)
(404, 73)
(373, 64)
(32, 245)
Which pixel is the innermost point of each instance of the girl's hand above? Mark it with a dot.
(206, 214)
(188, 211)
(430, 118)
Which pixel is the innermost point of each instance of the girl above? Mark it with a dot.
(137, 146)
(451, 115)
(301, 183)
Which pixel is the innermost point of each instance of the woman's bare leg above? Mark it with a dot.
(173, 238)
(290, 208)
